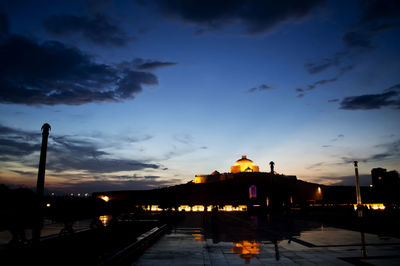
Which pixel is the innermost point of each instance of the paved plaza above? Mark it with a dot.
(318, 246)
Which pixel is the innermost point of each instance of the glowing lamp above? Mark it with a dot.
(105, 198)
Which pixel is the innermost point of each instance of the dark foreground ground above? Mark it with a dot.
(88, 247)
(267, 239)
(310, 237)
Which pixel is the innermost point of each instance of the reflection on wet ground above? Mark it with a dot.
(50, 228)
(236, 239)
(198, 235)
(54, 228)
(246, 249)
(105, 219)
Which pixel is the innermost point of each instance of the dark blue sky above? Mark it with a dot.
(143, 94)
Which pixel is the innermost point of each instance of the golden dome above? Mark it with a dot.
(244, 165)
(243, 160)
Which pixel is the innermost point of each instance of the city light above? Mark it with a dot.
(372, 206)
(105, 198)
(196, 208)
(105, 219)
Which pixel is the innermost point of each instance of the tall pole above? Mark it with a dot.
(42, 163)
(358, 192)
(357, 183)
(271, 163)
(40, 181)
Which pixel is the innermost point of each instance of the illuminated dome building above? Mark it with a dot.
(244, 186)
(244, 165)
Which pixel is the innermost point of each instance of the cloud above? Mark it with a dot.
(98, 29)
(377, 17)
(74, 145)
(180, 150)
(393, 88)
(365, 180)
(11, 147)
(131, 83)
(151, 65)
(390, 150)
(114, 185)
(254, 17)
(371, 101)
(184, 138)
(28, 173)
(95, 165)
(333, 100)
(316, 166)
(320, 65)
(363, 35)
(132, 177)
(3, 23)
(321, 82)
(65, 153)
(51, 73)
(151, 176)
(4, 130)
(385, 151)
(339, 137)
(142, 64)
(380, 9)
(262, 87)
(15, 143)
(358, 39)
(138, 139)
(72, 153)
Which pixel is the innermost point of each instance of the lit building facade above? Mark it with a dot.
(382, 178)
(245, 188)
(243, 165)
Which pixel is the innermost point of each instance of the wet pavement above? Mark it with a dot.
(254, 241)
(49, 229)
(53, 229)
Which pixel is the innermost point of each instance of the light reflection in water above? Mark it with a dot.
(198, 235)
(105, 219)
(246, 249)
(363, 245)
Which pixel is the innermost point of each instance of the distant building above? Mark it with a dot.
(246, 188)
(243, 165)
(381, 178)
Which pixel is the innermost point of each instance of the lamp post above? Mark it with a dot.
(358, 192)
(40, 182)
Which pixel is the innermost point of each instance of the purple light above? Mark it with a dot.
(252, 192)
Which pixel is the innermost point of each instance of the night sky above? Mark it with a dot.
(146, 94)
